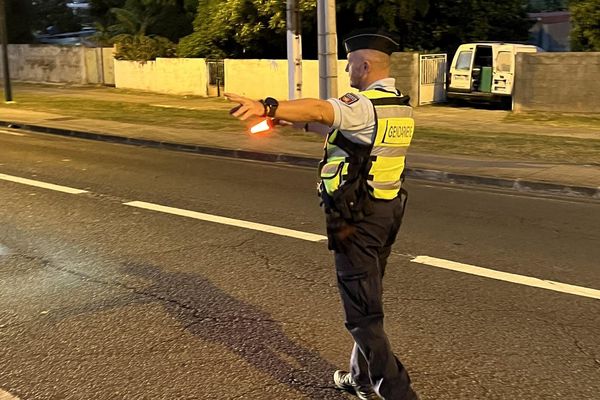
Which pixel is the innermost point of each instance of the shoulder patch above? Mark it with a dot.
(349, 98)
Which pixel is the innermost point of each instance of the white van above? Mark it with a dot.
(485, 70)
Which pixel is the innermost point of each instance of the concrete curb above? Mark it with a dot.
(518, 184)
(415, 173)
(190, 148)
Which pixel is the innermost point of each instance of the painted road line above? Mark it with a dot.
(311, 237)
(7, 396)
(426, 260)
(11, 133)
(44, 185)
(508, 277)
(4, 250)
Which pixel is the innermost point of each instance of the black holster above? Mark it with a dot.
(352, 200)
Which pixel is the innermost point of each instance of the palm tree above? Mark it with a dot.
(136, 16)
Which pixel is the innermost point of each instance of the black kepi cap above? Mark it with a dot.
(373, 39)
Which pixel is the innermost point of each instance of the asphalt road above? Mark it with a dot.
(103, 300)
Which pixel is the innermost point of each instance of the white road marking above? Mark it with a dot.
(311, 237)
(7, 396)
(11, 133)
(508, 277)
(4, 250)
(44, 185)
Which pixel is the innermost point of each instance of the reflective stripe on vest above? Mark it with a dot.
(394, 131)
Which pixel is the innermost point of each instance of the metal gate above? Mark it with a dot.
(432, 78)
(216, 77)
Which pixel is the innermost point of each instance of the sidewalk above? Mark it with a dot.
(555, 178)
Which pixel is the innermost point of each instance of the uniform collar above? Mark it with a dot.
(385, 83)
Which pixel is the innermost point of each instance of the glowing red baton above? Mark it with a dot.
(263, 126)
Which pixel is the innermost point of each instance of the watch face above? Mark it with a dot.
(271, 105)
(271, 101)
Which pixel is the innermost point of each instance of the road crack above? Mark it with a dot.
(564, 329)
(271, 267)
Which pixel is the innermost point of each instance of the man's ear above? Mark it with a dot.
(366, 66)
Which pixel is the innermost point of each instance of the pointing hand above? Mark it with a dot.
(247, 107)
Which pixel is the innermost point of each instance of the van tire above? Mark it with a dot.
(506, 103)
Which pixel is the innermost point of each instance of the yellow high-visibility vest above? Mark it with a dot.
(394, 128)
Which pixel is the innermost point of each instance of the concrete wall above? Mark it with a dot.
(59, 64)
(44, 63)
(181, 76)
(184, 76)
(262, 78)
(562, 82)
(405, 68)
(100, 65)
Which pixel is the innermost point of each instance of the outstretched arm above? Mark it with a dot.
(301, 110)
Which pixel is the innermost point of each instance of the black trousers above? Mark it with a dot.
(361, 251)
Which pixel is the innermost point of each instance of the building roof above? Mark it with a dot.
(552, 17)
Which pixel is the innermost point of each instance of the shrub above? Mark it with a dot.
(197, 45)
(143, 48)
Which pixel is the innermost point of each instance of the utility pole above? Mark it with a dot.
(327, 49)
(294, 50)
(4, 40)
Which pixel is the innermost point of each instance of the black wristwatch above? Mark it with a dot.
(270, 106)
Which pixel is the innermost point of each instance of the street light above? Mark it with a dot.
(4, 40)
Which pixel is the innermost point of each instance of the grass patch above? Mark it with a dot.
(130, 112)
(427, 140)
(555, 119)
(508, 146)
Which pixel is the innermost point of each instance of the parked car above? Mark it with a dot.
(485, 70)
(71, 38)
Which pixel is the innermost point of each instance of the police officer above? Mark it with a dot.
(361, 178)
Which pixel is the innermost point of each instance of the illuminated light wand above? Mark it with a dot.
(264, 125)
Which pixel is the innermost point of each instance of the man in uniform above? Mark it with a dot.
(361, 177)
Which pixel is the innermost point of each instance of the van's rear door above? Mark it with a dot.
(462, 69)
(504, 70)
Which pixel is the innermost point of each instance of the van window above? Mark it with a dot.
(483, 57)
(504, 61)
(464, 60)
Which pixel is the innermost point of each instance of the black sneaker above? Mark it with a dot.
(411, 394)
(343, 380)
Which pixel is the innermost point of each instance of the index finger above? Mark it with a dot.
(234, 97)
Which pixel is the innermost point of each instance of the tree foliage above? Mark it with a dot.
(546, 5)
(143, 48)
(256, 28)
(239, 28)
(19, 21)
(438, 24)
(100, 11)
(450, 23)
(585, 20)
(395, 16)
(166, 18)
(53, 16)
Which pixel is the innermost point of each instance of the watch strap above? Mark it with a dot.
(265, 108)
(271, 105)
